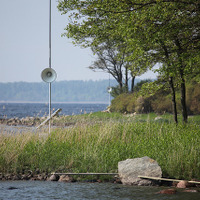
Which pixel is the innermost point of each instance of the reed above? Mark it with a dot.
(97, 142)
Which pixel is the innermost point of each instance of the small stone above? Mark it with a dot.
(16, 178)
(12, 188)
(65, 178)
(54, 177)
(40, 177)
(191, 191)
(158, 118)
(26, 177)
(168, 191)
(182, 184)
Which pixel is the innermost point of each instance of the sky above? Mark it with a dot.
(24, 44)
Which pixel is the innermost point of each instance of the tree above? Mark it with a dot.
(108, 60)
(143, 26)
(111, 58)
(92, 26)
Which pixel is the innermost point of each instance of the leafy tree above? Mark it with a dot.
(111, 58)
(148, 28)
(92, 26)
(108, 60)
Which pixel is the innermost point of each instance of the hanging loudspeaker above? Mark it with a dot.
(48, 75)
(109, 89)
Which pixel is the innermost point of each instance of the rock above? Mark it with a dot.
(65, 178)
(26, 177)
(168, 191)
(182, 184)
(190, 191)
(16, 177)
(158, 118)
(54, 177)
(130, 169)
(41, 177)
(12, 188)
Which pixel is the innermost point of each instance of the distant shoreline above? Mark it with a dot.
(38, 102)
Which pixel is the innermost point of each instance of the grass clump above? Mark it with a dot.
(97, 142)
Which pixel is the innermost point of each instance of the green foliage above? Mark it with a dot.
(101, 140)
(156, 97)
(139, 85)
(164, 32)
(116, 91)
(130, 103)
(123, 103)
(162, 104)
(193, 98)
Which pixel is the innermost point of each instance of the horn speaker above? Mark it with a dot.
(109, 89)
(48, 75)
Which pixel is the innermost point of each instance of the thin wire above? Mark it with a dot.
(109, 89)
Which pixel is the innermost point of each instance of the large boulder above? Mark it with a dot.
(130, 169)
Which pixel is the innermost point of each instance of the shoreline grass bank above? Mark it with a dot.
(97, 142)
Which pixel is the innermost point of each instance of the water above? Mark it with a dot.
(20, 110)
(81, 191)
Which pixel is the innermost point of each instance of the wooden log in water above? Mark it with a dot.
(166, 179)
(85, 173)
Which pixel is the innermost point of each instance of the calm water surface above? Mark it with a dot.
(20, 110)
(80, 191)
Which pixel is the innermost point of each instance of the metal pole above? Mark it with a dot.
(49, 65)
(49, 33)
(49, 108)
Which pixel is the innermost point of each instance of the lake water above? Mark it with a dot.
(32, 190)
(20, 110)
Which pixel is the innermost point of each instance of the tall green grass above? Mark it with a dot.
(97, 142)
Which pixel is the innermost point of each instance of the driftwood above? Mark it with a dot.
(166, 179)
(85, 173)
(54, 114)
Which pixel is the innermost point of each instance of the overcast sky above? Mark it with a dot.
(24, 44)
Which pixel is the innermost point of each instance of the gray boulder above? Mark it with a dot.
(130, 169)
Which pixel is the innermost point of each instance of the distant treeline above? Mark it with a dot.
(62, 91)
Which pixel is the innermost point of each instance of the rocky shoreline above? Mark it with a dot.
(27, 121)
(34, 121)
(30, 176)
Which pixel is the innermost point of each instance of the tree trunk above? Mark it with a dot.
(171, 83)
(126, 79)
(132, 84)
(183, 90)
(183, 98)
(118, 78)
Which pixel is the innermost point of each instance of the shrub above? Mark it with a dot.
(193, 98)
(124, 103)
(157, 100)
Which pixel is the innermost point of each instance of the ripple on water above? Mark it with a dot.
(15, 190)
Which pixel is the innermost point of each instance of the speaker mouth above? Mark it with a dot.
(48, 75)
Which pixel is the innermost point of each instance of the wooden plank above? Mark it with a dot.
(85, 173)
(53, 115)
(167, 179)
